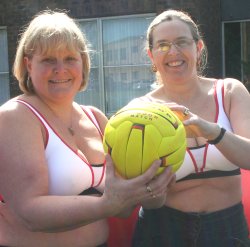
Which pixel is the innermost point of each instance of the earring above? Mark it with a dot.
(153, 68)
(199, 63)
(29, 84)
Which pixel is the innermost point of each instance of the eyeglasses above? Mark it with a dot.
(180, 44)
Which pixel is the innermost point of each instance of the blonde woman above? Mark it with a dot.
(57, 187)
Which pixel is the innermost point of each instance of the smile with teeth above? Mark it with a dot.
(175, 63)
(59, 81)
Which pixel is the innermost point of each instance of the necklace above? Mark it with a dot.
(69, 128)
(71, 131)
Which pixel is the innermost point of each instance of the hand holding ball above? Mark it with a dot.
(139, 134)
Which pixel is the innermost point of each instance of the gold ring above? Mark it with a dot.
(186, 111)
(148, 188)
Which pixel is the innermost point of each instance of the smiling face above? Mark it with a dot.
(55, 74)
(174, 51)
(49, 35)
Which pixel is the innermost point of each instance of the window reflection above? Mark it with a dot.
(4, 67)
(120, 66)
(237, 51)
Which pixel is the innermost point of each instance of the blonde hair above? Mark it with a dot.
(47, 32)
(170, 15)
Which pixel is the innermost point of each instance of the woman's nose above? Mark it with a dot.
(173, 48)
(59, 67)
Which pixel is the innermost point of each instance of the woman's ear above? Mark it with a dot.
(199, 46)
(150, 54)
(27, 63)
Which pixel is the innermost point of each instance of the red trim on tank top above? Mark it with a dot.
(101, 134)
(90, 118)
(204, 158)
(216, 102)
(223, 96)
(197, 170)
(58, 135)
(193, 159)
(215, 120)
(28, 105)
(103, 172)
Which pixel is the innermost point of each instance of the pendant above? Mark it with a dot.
(71, 131)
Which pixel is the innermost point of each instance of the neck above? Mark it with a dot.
(62, 112)
(181, 93)
(60, 109)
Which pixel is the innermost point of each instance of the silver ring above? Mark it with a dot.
(186, 111)
(148, 188)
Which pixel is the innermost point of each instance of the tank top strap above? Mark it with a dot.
(34, 111)
(222, 117)
(90, 114)
(220, 94)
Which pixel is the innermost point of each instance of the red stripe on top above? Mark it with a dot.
(223, 97)
(101, 134)
(103, 172)
(30, 108)
(58, 135)
(215, 120)
(204, 158)
(86, 112)
(193, 159)
(216, 102)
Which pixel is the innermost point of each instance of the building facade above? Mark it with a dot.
(115, 29)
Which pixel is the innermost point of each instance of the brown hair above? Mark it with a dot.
(170, 15)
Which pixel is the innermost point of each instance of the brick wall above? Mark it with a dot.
(16, 13)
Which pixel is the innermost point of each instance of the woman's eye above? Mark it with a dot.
(181, 43)
(49, 60)
(164, 47)
(70, 59)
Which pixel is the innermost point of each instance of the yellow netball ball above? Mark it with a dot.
(139, 134)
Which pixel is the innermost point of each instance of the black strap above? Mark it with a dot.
(218, 138)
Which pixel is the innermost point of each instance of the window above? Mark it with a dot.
(4, 67)
(237, 51)
(124, 76)
(135, 75)
(123, 53)
(134, 49)
(120, 68)
(109, 55)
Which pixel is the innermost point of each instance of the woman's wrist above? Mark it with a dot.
(218, 138)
